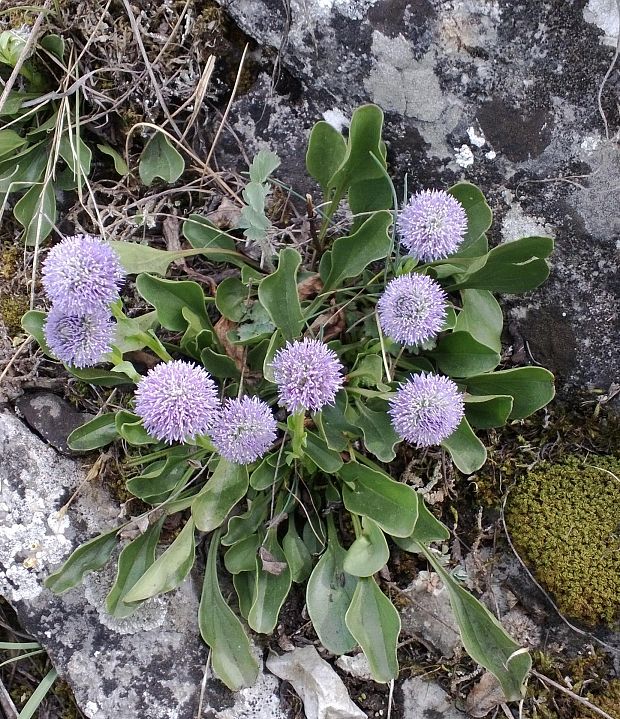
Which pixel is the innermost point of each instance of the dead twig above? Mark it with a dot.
(571, 694)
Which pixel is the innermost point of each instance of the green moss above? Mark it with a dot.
(608, 701)
(563, 519)
(12, 308)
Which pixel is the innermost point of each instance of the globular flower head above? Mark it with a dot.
(79, 339)
(432, 225)
(177, 401)
(308, 375)
(243, 430)
(82, 274)
(412, 309)
(426, 409)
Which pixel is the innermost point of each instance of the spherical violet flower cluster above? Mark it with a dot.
(243, 430)
(427, 409)
(412, 309)
(177, 401)
(432, 225)
(79, 339)
(308, 374)
(82, 276)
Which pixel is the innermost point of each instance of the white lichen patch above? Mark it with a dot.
(336, 118)
(517, 224)
(148, 615)
(604, 14)
(464, 156)
(33, 535)
(398, 82)
(476, 136)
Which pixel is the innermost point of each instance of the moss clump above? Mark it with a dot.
(608, 701)
(563, 519)
(12, 308)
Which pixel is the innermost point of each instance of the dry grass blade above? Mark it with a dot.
(145, 57)
(228, 107)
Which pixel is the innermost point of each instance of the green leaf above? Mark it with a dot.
(170, 297)
(486, 411)
(334, 424)
(76, 153)
(169, 569)
(243, 525)
(328, 596)
(276, 342)
(369, 552)
(36, 212)
(479, 218)
(231, 653)
(351, 255)
(33, 322)
(160, 159)
(511, 267)
(129, 426)
(23, 169)
(133, 562)
(325, 154)
(427, 529)
(137, 258)
(38, 695)
(370, 196)
(392, 505)
(227, 485)
(53, 43)
(9, 141)
(374, 622)
(88, 557)
(271, 470)
(364, 141)
(101, 377)
(241, 557)
(263, 165)
(270, 590)
(278, 294)
(481, 316)
(297, 555)
(159, 479)
(231, 299)
(467, 451)
(530, 387)
(325, 458)
(244, 586)
(483, 637)
(458, 354)
(380, 437)
(94, 434)
(201, 233)
(119, 161)
(220, 366)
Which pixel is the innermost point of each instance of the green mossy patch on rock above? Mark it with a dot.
(564, 519)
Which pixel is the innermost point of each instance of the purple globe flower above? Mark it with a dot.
(308, 375)
(412, 309)
(80, 340)
(177, 401)
(82, 274)
(426, 409)
(432, 225)
(244, 430)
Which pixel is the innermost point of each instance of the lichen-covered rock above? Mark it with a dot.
(563, 519)
(501, 94)
(147, 666)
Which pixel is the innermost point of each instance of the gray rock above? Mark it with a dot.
(427, 700)
(429, 615)
(51, 417)
(500, 94)
(148, 666)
